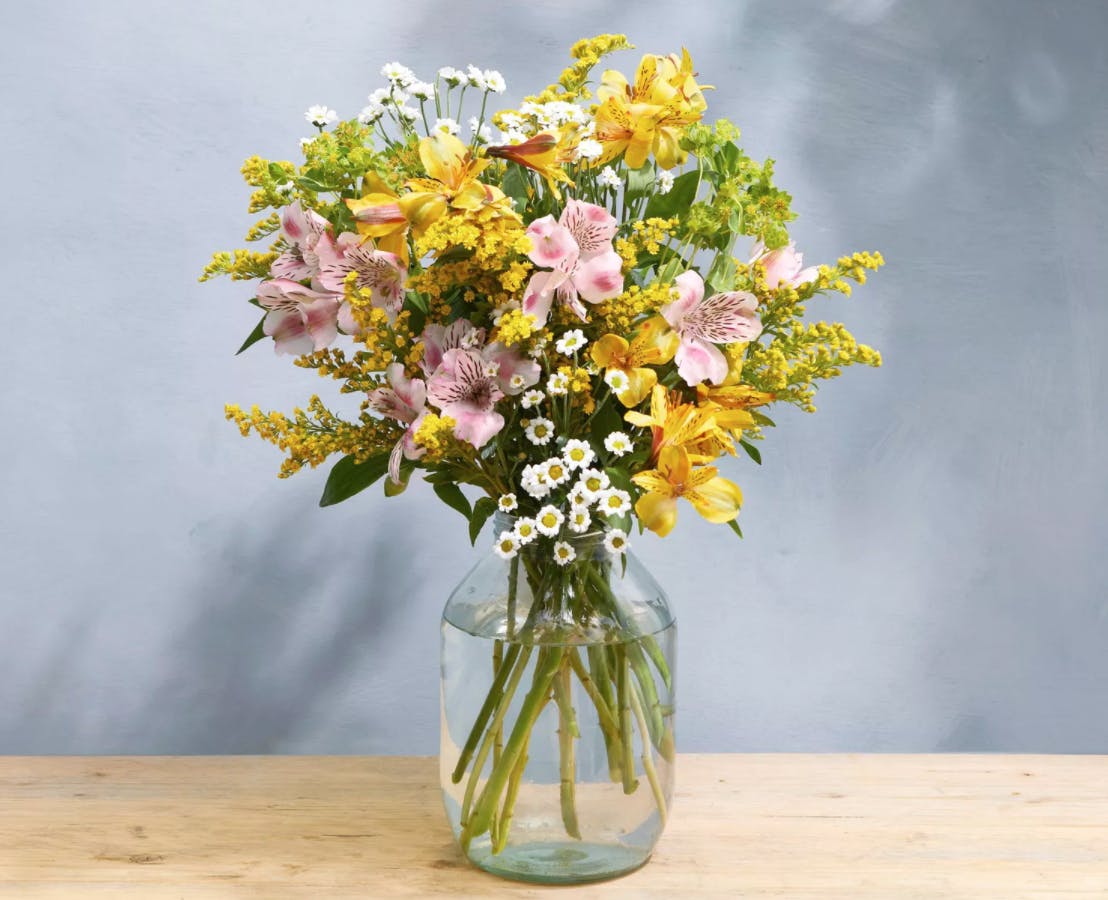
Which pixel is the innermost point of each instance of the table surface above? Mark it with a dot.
(773, 825)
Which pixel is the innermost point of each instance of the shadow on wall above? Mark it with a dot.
(278, 624)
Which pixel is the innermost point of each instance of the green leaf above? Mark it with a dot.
(721, 277)
(482, 509)
(256, 335)
(640, 182)
(277, 173)
(753, 452)
(734, 526)
(311, 184)
(516, 186)
(393, 488)
(349, 477)
(679, 198)
(762, 419)
(452, 496)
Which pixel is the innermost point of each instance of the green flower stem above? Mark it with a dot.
(492, 701)
(497, 662)
(628, 763)
(648, 758)
(510, 803)
(513, 587)
(654, 651)
(645, 683)
(545, 670)
(567, 731)
(603, 708)
(482, 754)
(602, 681)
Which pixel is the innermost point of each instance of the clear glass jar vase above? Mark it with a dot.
(557, 743)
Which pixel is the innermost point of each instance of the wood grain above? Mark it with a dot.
(795, 826)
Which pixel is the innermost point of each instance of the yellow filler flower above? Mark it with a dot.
(653, 345)
(716, 498)
(651, 115)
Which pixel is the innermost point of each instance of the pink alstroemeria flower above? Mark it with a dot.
(301, 228)
(298, 319)
(783, 265)
(462, 390)
(405, 399)
(437, 339)
(382, 273)
(510, 364)
(578, 248)
(701, 324)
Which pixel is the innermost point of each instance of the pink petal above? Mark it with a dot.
(474, 426)
(294, 226)
(346, 320)
(321, 319)
(412, 391)
(290, 265)
(723, 318)
(599, 278)
(289, 332)
(333, 265)
(591, 226)
(699, 361)
(690, 291)
(539, 295)
(512, 363)
(805, 276)
(394, 461)
(550, 242)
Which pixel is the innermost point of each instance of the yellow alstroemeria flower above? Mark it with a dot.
(653, 345)
(677, 424)
(544, 153)
(650, 115)
(717, 499)
(451, 184)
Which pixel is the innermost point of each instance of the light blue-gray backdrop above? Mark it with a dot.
(925, 561)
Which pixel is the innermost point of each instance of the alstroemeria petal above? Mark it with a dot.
(690, 291)
(719, 500)
(550, 242)
(640, 381)
(608, 349)
(657, 512)
(699, 361)
(599, 278)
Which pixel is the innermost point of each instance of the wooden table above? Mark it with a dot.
(795, 826)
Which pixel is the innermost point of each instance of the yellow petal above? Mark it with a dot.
(443, 156)
(640, 381)
(673, 464)
(638, 418)
(656, 335)
(657, 512)
(718, 500)
(667, 149)
(423, 210)
(651, 480)
(609, 349)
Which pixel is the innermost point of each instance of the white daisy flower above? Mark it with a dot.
(664, 182)
(571, 342)
(614, 502)
(517, 382)
(306, 141)
(589, 149)
(618, 443)
(556, 471)
(319, 116)
(490, 368)
(507, 545)
(539, 431)
(534, 481)
(399, 75)
(549, 520)
(380, 97)
(371, 113)
(538, 348)
(483, 132)
(577, 499)
(615, 542)
(531, 398)
(525, 531)
(407, 113)
(609, 178)
(494, 81)
(446, 126)
(476, 77)
(558, 385)
(579, 520)
(578, 454)
(507, 502)
(513, 136)
(512, 121)
(564, 554)
(421, 90)
(617, 380)
(472, 338)
(451, 76)
(592, 482)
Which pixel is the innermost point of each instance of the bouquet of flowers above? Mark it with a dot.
(575, 308)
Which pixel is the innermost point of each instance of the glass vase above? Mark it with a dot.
(557, 742)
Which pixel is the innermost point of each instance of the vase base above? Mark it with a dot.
(553, 862)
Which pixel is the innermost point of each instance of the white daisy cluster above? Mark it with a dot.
(321, 116)
(665, 182)
(535, 117)
(609, 178)
(589, 149)
(558, 384)
(482, 132)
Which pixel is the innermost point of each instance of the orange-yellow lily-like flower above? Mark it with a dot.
(451, 184)
(650, 115)
(685, 425)
(544, 153)
(653, 345)
(717, 499)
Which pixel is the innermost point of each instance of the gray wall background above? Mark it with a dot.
(924, 566)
